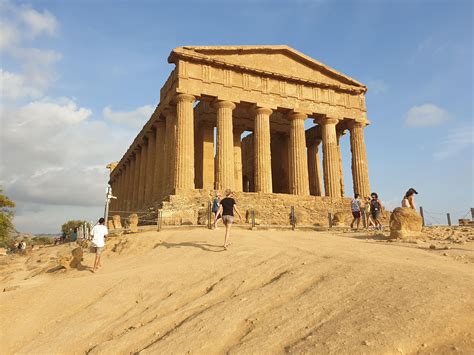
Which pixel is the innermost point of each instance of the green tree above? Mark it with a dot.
(6, 225)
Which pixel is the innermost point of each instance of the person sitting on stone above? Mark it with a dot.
(409, 199)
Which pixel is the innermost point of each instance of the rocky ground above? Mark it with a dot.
(178, 291)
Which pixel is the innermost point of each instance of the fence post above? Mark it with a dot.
(449, 219)
(158, 221)
(472, 213)
(422, 216)
(292, 218)
(330, 219)
(252, 214)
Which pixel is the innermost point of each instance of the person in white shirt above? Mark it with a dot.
(99, 232)
(355, 208)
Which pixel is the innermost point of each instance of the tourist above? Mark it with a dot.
(215, 209)
(375, 209)
(74, 235)
(355, 209)
(99, 232)
(226, 210)
(366, 220)
(409, 199)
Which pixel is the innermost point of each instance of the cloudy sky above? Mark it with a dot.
(79, 78)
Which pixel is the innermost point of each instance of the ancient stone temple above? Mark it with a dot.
(234, 117)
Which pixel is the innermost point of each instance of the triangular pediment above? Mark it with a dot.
(281, 60)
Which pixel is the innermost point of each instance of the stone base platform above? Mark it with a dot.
(191, 207)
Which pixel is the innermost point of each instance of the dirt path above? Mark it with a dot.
(271, 292)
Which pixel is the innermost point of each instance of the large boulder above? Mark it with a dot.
(338, 220)
(405, 223)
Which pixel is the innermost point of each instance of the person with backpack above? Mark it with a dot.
(375, 210)
(215, 207)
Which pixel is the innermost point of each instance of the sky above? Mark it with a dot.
(80, 78)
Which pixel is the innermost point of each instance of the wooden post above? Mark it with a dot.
(422, 216)
(330, 219)
(449, 219)
(472, 213)
(253, 218)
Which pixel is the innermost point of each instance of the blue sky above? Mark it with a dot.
(92, 70)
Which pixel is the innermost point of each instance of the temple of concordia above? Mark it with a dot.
(192, 145)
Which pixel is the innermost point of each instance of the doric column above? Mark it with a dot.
(150, 173)
(332, 185)
(204, 155)
(136, 179)
(339, 134)
(126, 185)
(314, 169)
(143, 173)
(360, 170)
(160, 159)
(119, 190)
(298, 160)
(184, 176)
(262, 155)
(225, 146)
(170, 149)
(238, 159)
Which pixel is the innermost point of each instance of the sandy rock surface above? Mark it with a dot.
(405, 223)
(178, 291)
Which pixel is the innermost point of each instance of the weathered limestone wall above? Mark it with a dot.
(191, 208)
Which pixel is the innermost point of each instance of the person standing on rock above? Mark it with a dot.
(99, 232)
(226, 210)
(375, 210)
(409, 199)
(215, 208)
(355, 209)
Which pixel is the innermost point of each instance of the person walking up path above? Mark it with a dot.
(375, 210)
(226, 210)
(215, 207)
(99, 232)
(355, 209)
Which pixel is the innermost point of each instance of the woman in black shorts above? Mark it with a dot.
(226, 210)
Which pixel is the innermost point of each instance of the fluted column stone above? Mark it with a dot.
(143, 173)
(160, 159)
(184, 176)
(339, 134)
(332, 184)
(314, 169)
(150, 173)
(225, 177)
(136, 179)
(360, 170)
(238, 159)
(170, 149)
(298, 160)
(127, 186)
(262, 155)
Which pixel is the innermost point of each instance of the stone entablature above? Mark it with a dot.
(268, 90)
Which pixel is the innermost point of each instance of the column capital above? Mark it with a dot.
(357, 124)
(223, 104)
(297, 116)
(327, 120)
(185, 98)
(169, 111)
(262, 110)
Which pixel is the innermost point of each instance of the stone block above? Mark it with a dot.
(117, 222)
(405, 223)
(133, 223)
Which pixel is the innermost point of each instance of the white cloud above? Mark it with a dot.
(39, 23)
(426, 115)
(136, 118)
(457, 140)
(9, 35)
